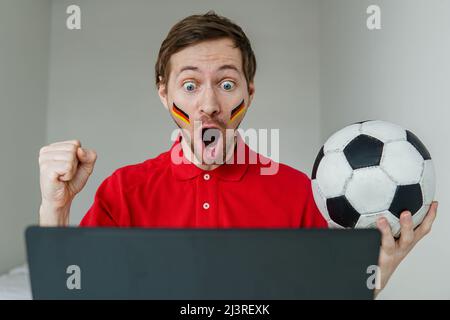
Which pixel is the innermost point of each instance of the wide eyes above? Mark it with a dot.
(190, 86)
(227, 85)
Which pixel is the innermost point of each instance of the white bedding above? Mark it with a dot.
(15, 285)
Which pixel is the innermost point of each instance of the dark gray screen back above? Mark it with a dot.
(124, 263)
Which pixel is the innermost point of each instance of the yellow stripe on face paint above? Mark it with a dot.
(237, 114)
(179, 116)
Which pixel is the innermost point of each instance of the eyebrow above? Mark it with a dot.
(196, 69)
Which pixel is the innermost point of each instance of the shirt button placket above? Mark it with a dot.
(206, 177)
(205, 201)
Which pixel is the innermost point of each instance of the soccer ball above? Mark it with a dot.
(369, 170)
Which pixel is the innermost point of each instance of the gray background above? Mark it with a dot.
(319, 69)
(24, 56)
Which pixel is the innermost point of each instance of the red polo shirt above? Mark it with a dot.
(160, 193)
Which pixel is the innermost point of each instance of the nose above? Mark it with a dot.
(209, 103)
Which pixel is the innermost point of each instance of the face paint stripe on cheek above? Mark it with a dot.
(180, 114)
(237, 111)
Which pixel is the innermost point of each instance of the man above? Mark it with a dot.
(204, 75)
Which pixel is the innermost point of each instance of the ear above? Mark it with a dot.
(162, 92)
(251, 92)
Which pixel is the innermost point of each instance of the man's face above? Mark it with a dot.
(207, 89)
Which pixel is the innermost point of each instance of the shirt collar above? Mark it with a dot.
(227, 171)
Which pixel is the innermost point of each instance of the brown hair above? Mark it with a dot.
(197, 28)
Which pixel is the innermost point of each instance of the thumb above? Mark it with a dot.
(87, 159)
(85, 167)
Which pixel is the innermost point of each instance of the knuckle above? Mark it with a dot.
(408, 238)
(426, 230)
(390, 251)
(410, 241)
(43, 149)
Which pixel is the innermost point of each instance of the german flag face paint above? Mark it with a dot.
(237, 111)
(180, 114)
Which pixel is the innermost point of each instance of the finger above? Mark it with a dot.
(87, 159)
(406, 230)
(60, 170)
(72, 142)
(425, 226)
(387, 239)
(59, 147)
(61, 155)
(85, 168)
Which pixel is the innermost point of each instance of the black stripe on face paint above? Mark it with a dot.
(237, 108)
(180, 111)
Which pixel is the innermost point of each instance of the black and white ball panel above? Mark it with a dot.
(402, 162)
(320, 200)
(427, 182)
(334, 164)
(374, 182)
(319, 157)
(364, 151)
(342, 212)
(407, 197)
(383, 131)
(414, 140)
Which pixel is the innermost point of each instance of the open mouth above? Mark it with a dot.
(210, 136)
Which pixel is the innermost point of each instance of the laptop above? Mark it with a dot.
(199, 264)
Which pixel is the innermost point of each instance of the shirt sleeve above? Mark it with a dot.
(311, 217)
(101, 213)
(98, 216)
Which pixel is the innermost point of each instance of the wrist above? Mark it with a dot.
(53, 215)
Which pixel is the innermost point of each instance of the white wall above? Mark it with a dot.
(24, 49)
(400, 74)
(102, 90)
